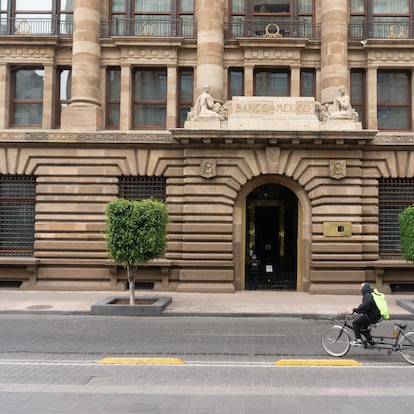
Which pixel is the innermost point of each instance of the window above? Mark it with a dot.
(142, 187)
(287, 18)
(150, 98)
(40, 17)
(113, 78)
(17, 215)
(185, 94)
(64, 87)
(272, 82)
(235, 82)
(358, 93)
(381, 18)
(307, 82)
(395, 194)
(394, 100)
(27, 97)
(152, 18)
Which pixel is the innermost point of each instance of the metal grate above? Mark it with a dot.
(17, 215)
(395, 194)
(142, 187)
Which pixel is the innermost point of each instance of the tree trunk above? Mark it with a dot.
(131, 282)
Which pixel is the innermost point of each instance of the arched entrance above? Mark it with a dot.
(277, 208)
(271, 233)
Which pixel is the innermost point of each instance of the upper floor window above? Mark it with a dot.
(17, 214)
(235, 82)
(307, 82)
(272, 18)
(152, 18)
(27, 96)
(394, 100)
(358, 94)
(150, 98)
(113, 97)
(185, 94)
(381, 18)
(40, 17)
(272, 82)
(64, 78)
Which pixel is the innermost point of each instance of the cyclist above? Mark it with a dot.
(368, 314)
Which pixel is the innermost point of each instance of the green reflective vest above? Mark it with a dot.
(379, 299)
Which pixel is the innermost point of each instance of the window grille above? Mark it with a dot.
(17, 215)
(141, 188)
(395, 194)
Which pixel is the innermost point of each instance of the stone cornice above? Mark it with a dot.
(225, 136)
(99, 137)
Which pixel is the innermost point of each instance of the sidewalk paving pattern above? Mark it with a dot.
(240, 303)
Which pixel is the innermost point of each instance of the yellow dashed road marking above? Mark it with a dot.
(318, 363)
(154, 361)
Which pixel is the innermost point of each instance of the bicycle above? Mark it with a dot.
(336, 340)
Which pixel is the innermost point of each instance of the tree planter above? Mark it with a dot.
(119, 306)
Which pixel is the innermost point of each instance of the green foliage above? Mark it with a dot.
(406, 220)
(135, 230)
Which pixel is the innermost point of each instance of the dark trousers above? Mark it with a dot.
(254, 276)
(361, 324)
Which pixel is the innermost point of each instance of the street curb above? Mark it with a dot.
(170, 314)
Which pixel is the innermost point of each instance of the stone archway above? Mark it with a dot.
(304, 231)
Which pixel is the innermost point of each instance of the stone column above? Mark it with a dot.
(294, 81)
(49, 95)
(125, 110)
(84, 111)
(210, 46)
(371, 100)
(172, 113)
(248, 80)
(4, 96)
(334, 48)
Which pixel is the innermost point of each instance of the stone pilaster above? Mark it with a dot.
(84, 111)
(334, 47)
(210, 46)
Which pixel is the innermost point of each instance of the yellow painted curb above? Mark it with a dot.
(136, 361)
(318, 363)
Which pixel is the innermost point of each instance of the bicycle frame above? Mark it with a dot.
(336, 340)
(389, 343)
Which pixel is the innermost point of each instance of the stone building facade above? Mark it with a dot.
(95, 100)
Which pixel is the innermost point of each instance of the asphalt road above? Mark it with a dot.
(54, 364)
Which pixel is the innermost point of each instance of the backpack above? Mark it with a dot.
(379, 299)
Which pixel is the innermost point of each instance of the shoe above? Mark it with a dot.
(357, 342)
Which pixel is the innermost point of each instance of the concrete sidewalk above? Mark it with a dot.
(241, 303)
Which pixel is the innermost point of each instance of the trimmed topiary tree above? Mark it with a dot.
(135, 234)
(406, 220)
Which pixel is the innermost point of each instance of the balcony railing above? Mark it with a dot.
(36, 27)
(381, 30)
(149, 27)
(272, 28)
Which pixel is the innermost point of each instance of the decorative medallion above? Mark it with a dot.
(208, 168)
(338, 169)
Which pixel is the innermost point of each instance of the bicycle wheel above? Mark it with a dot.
(407, 347)
(336, 341)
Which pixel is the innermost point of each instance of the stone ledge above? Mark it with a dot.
(114, 306)
(406, 304)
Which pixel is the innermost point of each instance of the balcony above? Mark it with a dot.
(153, 27)
(272, 29)
(381, 30)
(36, 27)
